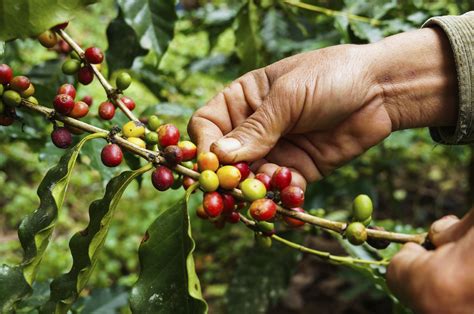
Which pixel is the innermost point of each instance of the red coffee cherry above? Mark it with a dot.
(6, 74)
(168, 134)
(6, 120)
(189, 150)
(106, 110)
(80, 110)
(229, 203)
(281, 178)
(20, 83)
(61, 137)
(292, 196)
(87, 99)
(94, 55)
(64, 47)
(63, 103)
(187, 182)
(293, 222)
(162, 178)
(201, 213)
(61, 26)
(173, 155)
(233, 217)
(265, 179)
(263, 209)
(85, 75)
(111, 155)
(213, 204)
(129, 103)
(244, 169)
(67, 89)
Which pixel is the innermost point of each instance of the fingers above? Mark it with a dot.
(450, 228)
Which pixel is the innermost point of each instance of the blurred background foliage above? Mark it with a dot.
(412, 180)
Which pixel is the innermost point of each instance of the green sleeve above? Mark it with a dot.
(460, 31)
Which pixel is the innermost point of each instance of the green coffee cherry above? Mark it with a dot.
(319, 212)
(367, 221)
(178, 181)
(208, 181)
(11, 98)
(262, 241)
(362, 208)
(75, 56)
(33, 100)
(356, 233)
(1, 89)
(266, 227)
(188, 164)
(123, 80)
(154, 122)
(151, 138)
(71, 67)
(253, 189)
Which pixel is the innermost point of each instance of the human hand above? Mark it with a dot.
(315, 111)
(439, 281)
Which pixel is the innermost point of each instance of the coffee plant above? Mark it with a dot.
(45, 106)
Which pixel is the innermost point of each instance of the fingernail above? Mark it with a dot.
(444, 223)
(228, 144)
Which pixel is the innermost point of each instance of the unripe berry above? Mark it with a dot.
(133, 129)
(229, 177)
(253, 189)
(20, 83)
(229, 202)
(2, 88)
(262, 209)
(178, 181)
(213, 204)
(67, 89)
(87, 99)
(244, 169)
(151, 138)
(162, 178)
(48, 39)
(80, 110)
(106, 110)
(61, 137)
(378, 244)
(233, 217)
(293, 222)
(111, 155)
(85, 75)
(265, 179)
(11, 98)
(94, 55)
(356, 233)
(123, 80)
(367, 221)
(187, 182)
(154, 122)
(137, 141)
(188, 164)
(208, 181)
(173, 155)
(267, 228)
(71, 67)
(263, 241)
(63, 103)
(207, 161)
(281, 178)
(28, 92)
(362, 208)
(168, 134)
(201, 212)
(189, 150)
(292, 196)
(6, 74)
(129, 103)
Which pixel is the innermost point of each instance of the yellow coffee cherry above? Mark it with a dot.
(137, 141)
(133, 129)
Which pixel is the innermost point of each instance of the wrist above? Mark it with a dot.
(416, 77)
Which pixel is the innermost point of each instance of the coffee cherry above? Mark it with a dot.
(74, 55)
(20, 83)
(188, 164)
(6, 74)
(151, 138)
(94, 55)
(281, 178)
(85, 75)
(111, 155)
(265, 179)
(64, 47)
(263, 241)
(63, 103)
(201, 212)
(189, 150)
(233, 217)
(2, 89)
(178, 181)
(129, 103)
(11, 98)
(356, 233)
(71, 67)
(162, 178)
(229, 177)
(61, 137)
(154, 122)
(61, 26)
(67, 89)
(213, 204)
(253, 189)
(173, 155)
(48, 39)
(80, 110)
(133, 129)
(229, 202)
(187, 182)
(293, 222)
(168, 134)
(362, 208)
(208, 181)
(378, 244)
(87, 100)
(244, 170)
(123, 80)
(367, 221)
(262, 209)
(267, 228)
(6, 120)
(207, 161)
(106, 110)
(292, 196)
(28, 92)
(137, 141)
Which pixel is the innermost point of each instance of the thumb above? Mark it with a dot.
(450, 228)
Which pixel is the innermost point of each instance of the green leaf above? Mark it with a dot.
(152, 20)
(86, 244)
(168, 282)
(36, 229)
(26, 18)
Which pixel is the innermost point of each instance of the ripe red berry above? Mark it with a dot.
(292, 196)
(20, 83)
(80, 110)
(265, 179)
(233, 217)
(111, 155)
(64, 47)
(213, 204)
(173, 155)
(263, 209)
(61, 26)
(168, 134)
(85, 75)
(61, 137)
(106, 110)
(189, 150)
(229, 203)
(6, 120)
(244, 169)
(63, 103)
(67, 89)
(281, 178)
(293, 222)
(6, 74)
(94, 55)
(162, 178)
(87, 99)
(129, 103)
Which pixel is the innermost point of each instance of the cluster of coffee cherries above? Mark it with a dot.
(50, 40)
(107, 108)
